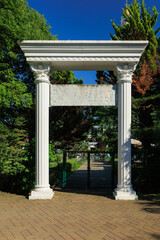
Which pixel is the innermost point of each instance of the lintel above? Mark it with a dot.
(82, 55)
(83, 95)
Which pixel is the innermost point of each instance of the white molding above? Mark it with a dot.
(91, 42)
(64, 55)
(41, 73)
(124, 72)
(79, 58)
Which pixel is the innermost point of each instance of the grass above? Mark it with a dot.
(56, 172)
(150, 197)
(75, 164)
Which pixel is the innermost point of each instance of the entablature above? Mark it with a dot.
(82, 55)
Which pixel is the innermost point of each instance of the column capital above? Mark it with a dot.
(41, 73)
(124, 72)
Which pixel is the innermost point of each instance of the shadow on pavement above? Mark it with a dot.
(107, 192)
(98, 182)
(155, 236)
(150, 203)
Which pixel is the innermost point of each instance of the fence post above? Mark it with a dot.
(112, 163)
(64, 169)
(88, 177)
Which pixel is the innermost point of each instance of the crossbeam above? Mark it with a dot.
(83, 95)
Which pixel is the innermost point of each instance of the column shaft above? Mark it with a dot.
(42, 135)
(42, 188)
(124, 135)
(124, 189)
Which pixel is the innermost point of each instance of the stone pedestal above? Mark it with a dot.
(42, 188)
(124, 189)
(41, 193)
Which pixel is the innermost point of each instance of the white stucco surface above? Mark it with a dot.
(83, 95)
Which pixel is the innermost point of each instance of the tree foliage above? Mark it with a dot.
(144, 81)
(139, 25)
(106, 120)
(17, 22)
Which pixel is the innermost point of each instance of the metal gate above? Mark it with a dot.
(97, 172)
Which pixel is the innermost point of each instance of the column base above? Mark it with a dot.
(122, 194)
(41, 194)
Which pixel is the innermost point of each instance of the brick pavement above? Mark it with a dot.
(78, 216)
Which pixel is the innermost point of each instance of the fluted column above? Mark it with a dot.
(42, 188)
(124, 189)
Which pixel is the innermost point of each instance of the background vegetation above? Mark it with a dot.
(140, 23)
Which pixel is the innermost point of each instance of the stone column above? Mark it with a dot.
(124, 189)
(42, 188)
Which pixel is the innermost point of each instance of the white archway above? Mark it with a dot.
(118, 56)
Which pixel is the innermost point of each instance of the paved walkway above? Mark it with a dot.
(71, 216)
(100, 176)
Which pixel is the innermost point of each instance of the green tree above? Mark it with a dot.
(104, 128)
(17, 22)
(140, 24)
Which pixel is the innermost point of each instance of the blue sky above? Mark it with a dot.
(83, 20)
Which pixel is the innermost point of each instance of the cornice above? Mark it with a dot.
(78, 48)
(104, 54)
(84, 41)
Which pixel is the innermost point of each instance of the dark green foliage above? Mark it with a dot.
(146, 167)
(81, 145)
(68, 124)
(17, 22)
(139, 23)
(64, 77)
(106, 78)
(106, 120)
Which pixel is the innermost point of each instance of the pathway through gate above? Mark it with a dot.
(96, 176)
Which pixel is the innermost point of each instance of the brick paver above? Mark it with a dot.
(78, 216)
